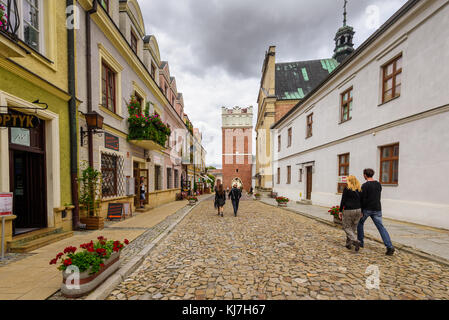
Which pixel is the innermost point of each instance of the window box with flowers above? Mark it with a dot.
(282, 201)
(145, 130)
(335, 212)
(94, 263)
(192, 200)
(3, 18)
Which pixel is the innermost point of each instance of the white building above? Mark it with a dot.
(386, 107)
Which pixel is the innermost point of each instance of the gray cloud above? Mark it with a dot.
(216, 47)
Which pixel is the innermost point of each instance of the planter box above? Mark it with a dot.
(282, 204)
(93, 223)
(88, 283)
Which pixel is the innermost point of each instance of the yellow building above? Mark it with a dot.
(283, 85)
(35, 161)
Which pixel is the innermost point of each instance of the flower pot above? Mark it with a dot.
(192, 202)
(87, 282)
(282, 204)
(93, 223)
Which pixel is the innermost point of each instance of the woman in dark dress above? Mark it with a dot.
(220, 198)
(351, 212)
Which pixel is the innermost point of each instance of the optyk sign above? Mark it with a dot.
(25, 121)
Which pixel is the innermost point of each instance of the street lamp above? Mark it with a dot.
(94, 124)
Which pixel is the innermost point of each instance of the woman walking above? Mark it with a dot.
(220, 198)
(351, 211)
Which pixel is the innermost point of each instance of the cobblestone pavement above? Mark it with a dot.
(270, 253)
(139, 244)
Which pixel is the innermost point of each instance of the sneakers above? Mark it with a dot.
(357, 246)
(390, 251)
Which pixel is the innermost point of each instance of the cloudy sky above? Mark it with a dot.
(215, 48)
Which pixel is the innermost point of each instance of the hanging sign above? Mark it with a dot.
(111, 142)
(6, 204)
(25, 121)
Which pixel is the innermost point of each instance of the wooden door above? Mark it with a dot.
(309, 183)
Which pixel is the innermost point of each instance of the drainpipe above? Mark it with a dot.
(72, 122)
(90, 142)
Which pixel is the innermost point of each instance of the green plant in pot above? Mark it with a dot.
(90, 183)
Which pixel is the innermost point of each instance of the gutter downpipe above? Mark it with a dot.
(73, 120)
(89, 78)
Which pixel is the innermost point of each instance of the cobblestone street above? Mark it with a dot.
(270, 253)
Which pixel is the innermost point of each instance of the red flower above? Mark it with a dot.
(126, 241)
(68, 262)
(102, 265)
(54, 261)
(59, 256)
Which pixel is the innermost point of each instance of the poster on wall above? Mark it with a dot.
(6, 200)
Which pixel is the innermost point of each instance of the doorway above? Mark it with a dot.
(138, 175)
(309, 183)
(28, 178)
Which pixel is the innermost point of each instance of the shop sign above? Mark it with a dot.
(6, 200)
(20, 136)
(25, 121)
(111, 142)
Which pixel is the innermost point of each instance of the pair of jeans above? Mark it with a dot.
(235, 204)
(376, 216)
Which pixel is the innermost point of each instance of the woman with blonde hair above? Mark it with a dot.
(351, 211)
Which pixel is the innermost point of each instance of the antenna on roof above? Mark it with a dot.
(344, 13)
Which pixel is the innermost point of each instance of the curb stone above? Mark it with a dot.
(400, 246)
(104, 290)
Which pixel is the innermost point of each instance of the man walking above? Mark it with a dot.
(235, 196)
(372, 207)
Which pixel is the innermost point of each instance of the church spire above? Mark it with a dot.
(343, 39)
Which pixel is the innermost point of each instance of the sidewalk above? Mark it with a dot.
(420, 239)
(32, 278)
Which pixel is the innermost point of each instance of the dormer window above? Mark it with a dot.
(105, 5)
(134, 42)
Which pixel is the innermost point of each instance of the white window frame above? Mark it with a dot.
(41, 30)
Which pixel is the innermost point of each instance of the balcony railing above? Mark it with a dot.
(10, 15)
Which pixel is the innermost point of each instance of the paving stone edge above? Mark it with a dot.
(105, 289)
(397, 245)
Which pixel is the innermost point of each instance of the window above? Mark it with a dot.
(279, 176)
(343, 170)
(289, 175)
(105, 4)
(279, 143)
(139, 100)
(346, 105)
(108, 87)
(391, 83)
(153, 71)
(112, 175)
(309, 126)
(31, 23)
(134, 42)
(389, 164)
(169, 184)
(157, 178)
(176, 179)
(290, 137)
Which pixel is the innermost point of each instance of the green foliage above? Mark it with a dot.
(91, 258)
(143, 126)
(90, 190)
(3, 18)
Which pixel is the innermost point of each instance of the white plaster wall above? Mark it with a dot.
(422, 193)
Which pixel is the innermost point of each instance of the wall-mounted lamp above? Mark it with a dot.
(94, 124)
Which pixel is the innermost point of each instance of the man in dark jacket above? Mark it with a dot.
(235, 194)
(372, 207)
